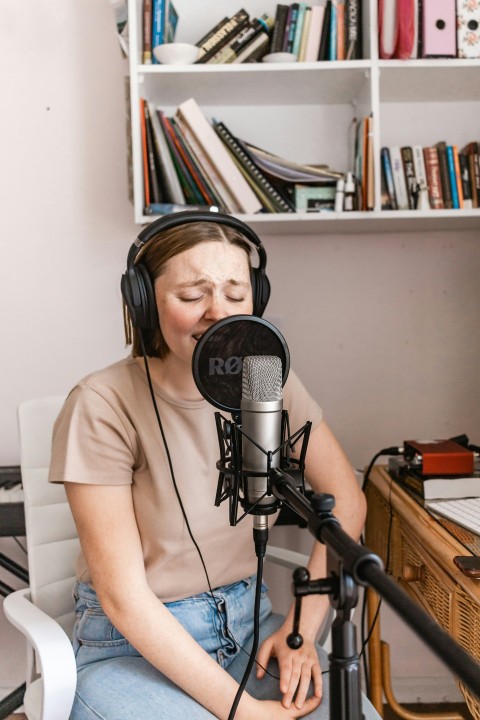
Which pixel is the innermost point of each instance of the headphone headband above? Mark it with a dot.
(190, 216)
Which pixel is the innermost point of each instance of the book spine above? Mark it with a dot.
(147, 32)
(444, 175)
(143, 133)
(432, 169)
(152, 169)
(475, 173)
(221, 37)
(458, 175)
(340, 31)
(466, 181)
(452, 177)
(315, 33)
(399, 177)
(353, 29)
(305, 33)
(158, 22)
(410, 177)
(388, 174)
(293, 25)
(302, 6)
(420, 174)
(332, 40)
(323, 49)
(279, 28)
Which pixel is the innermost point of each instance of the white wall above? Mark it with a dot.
(383, 329)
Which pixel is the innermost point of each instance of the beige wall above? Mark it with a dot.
(383, 329)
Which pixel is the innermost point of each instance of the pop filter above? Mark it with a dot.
(218, 357)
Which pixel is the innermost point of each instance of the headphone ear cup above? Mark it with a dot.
(138, 293)
(260, 291)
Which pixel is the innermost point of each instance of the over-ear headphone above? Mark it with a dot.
(136, 284)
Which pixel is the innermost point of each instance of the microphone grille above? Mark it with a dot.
(262, 378)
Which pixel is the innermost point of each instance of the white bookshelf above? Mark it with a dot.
(304, 112)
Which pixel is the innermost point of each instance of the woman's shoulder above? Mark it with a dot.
(110, 391)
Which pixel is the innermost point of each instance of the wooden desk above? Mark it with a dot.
(418, 552)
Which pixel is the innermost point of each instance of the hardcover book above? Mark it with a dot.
(192, 115)
(410, 177)
(314, 33)
(388, 176)
(353, 29)
(223, 33)
(279, 28)
(471, 150)
(444, 174)
(437, 488)
(421, 175)
(432, 169)
(399, 181)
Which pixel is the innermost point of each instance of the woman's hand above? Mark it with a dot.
(297, 669)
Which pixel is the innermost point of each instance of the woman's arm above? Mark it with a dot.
(327, 470)
(111, 544)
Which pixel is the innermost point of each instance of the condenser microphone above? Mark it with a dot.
(261, 417)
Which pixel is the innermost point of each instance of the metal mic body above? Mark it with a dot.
(261, 411)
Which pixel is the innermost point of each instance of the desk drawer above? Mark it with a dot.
(421, 576)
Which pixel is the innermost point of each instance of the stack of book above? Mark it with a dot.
(236, 39)
(437, 177)
(189, 160)
(429, 29)
(331, 31)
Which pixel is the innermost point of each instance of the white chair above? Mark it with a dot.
(44, 612)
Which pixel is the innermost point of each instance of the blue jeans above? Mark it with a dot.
(116, 683)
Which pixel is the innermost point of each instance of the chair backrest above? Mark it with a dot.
(52, 540)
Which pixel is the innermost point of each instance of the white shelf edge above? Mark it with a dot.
(333, 65)
(346, 223)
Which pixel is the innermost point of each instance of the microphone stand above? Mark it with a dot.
(350, 564)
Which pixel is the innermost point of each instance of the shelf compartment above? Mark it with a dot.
(258, 84)
(429, 81)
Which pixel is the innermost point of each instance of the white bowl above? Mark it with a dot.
(176, 53)
(279, 57)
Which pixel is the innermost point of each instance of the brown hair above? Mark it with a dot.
(154, 257)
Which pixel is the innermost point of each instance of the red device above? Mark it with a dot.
(439, 457)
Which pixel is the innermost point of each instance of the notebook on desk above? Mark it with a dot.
(464, 512)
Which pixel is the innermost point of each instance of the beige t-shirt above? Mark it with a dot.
(107, 433)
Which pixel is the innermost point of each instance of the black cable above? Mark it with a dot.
(394, 450)
(170, 465)
(366, 636)
(256, 636)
